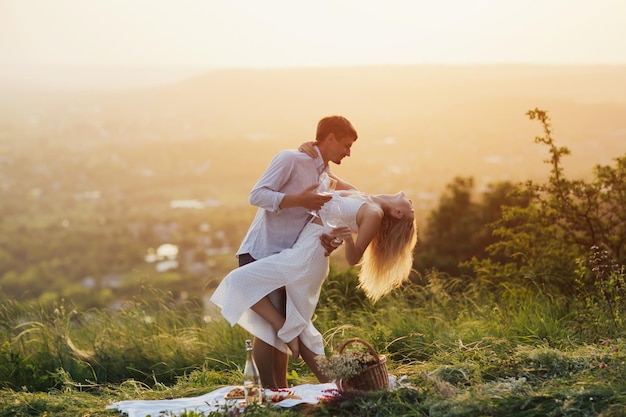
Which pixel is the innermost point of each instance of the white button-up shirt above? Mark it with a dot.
(274, 229)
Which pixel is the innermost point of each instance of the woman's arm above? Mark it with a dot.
(309, 149)
(341, 184)
(368, 219)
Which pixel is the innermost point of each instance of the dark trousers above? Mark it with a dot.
(245, 258)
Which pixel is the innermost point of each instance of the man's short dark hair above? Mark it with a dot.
(338, 125)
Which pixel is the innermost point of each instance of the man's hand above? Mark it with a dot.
(309, 149)
(308, 198)
(326, 241)
(311, 200)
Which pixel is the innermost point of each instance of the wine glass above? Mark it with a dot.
(333, 218)
(326, 186)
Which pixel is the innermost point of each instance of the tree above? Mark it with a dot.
(459, 229)
(564, 220)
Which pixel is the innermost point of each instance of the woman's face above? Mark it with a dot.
(404, 204)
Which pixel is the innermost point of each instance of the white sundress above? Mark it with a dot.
(300, 269)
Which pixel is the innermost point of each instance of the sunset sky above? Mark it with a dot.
(207, 34)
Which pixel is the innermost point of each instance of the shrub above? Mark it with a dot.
(564, 218)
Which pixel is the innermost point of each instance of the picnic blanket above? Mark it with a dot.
(215, 401)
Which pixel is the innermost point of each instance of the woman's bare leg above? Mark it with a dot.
(275, 370)
(309, 359)
(281, 360)
(266, 309)
(264, 357)
(272, 363)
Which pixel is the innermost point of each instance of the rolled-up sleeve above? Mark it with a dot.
(265, 194)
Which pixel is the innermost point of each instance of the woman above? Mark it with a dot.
(385, 237)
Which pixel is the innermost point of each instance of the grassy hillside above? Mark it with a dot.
(86, 185)
(513, 352)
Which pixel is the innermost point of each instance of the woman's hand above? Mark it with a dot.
(309, 149)
(327, 243)
(341, 232)
(328, 240)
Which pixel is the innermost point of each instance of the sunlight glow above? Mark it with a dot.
(219, 33)
(39, 37)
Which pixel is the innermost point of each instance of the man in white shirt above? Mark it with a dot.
(285, 195)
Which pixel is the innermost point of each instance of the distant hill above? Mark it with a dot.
(282, 102)
(419, 124)
(285, 103)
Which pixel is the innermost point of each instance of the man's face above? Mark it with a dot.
(340, 148)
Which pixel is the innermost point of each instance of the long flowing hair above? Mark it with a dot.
(388, 259)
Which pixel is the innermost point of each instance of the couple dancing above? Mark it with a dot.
(283, 259)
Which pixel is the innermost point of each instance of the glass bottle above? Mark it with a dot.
(251, 377)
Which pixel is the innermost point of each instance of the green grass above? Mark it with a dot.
(514, 353)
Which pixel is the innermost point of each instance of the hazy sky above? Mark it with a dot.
(207, 34)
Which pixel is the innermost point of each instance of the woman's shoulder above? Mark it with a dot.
(371, 210)
(374, 208)
(354, 194)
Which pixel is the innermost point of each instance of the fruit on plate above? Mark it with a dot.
(277, 395)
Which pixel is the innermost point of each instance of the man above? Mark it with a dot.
(285, 194)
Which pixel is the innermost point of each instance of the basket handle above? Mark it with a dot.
(364, 343)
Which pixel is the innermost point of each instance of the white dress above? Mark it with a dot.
(300, 269)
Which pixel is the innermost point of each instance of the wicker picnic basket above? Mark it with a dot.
(374, 378)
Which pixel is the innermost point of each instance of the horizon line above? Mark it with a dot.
(107, 78)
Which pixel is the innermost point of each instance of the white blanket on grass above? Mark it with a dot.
(214, 401)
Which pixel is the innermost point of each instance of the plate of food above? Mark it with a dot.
(236, 393)
(277, 395)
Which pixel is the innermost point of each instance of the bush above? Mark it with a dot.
(563, 220)
(459, 229)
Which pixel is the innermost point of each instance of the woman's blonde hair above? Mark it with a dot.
(388, 260)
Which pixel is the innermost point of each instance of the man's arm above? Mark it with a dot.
(265, 194)
(325, 238)
(308, 199)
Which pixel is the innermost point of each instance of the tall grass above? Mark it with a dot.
(466, 349)
(153, 338)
